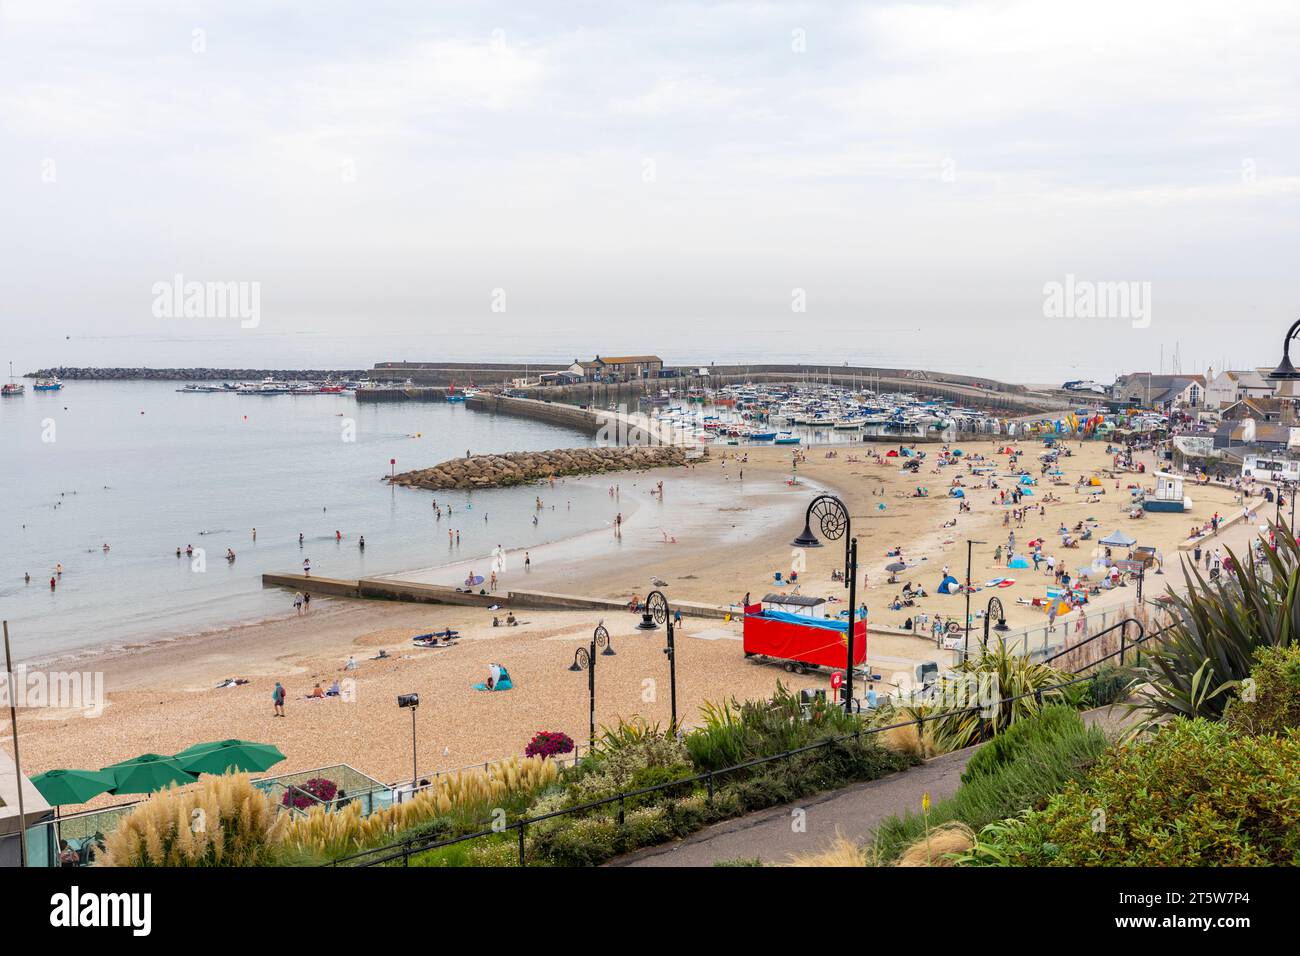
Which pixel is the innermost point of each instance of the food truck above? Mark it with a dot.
(794, 630)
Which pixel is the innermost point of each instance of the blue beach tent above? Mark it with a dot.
(501, 679)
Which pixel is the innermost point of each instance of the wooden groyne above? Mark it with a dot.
(391, 589)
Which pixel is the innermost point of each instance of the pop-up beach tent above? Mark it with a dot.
(1018, 561)
(956, 493)
(500, 679)
(949, 585)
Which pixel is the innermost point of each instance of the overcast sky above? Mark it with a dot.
(651, 177)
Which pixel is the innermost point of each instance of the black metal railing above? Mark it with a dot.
(404, 850)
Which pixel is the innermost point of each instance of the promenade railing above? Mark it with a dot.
(405, 849)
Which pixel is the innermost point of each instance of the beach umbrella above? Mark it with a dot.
(147, 773)
(1118, 539)
(221, 756)
(895, 567)
(61, 787)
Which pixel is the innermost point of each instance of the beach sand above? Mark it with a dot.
(732, 533)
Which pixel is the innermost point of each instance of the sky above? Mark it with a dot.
(887, 183)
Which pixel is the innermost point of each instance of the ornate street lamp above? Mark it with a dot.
(658, 612)
(584, 659)
(1285, 371)
(833, 519)
(1000, 626)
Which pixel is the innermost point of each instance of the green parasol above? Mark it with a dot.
(147, 773)
(224, 755)
(61, 787)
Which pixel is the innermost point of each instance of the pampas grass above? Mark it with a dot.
(225, 821)
(469, 798)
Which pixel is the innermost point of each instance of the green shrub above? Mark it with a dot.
(734, 732)
(1058, 720)
(1110, 684)
(1032, 761)
(1195, 667)
(1192, 794)
(1274, 692)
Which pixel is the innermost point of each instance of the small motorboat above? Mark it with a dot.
(11, 388)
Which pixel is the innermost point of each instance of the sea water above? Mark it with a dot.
(146, 470)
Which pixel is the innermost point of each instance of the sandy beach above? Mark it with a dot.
(731, 532)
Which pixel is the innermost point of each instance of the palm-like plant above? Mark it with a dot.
(1196, 665)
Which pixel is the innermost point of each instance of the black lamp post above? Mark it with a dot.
(1285, 371)
(833, 518)
(585, 659)
(413, 702)
(658, 612)
(965, 647)
(1000, 626)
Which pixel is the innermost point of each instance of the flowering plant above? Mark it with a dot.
(300, 796)
(549, 744)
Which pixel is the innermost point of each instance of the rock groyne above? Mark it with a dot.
(524, 467)
(190, 374)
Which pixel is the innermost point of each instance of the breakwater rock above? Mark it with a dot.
(190, 374)
(523, 467)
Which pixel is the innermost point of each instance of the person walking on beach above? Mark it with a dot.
(306, 601)
(277, 696)
(297, 602)
(306, 567)
(528, 562)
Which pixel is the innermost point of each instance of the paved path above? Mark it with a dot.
(853, 812)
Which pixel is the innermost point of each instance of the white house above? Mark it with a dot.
(1229, 387)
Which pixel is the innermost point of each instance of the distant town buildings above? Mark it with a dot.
(1230, 387)
(1160, 391)
(618, 368)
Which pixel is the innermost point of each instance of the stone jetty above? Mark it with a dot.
(523, 467)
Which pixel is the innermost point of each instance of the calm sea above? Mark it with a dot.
(146, 470)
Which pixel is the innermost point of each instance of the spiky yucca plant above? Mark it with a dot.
(1196, 665)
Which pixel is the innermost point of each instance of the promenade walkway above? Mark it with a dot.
(853, 812)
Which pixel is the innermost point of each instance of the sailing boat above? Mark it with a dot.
(11, 387)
